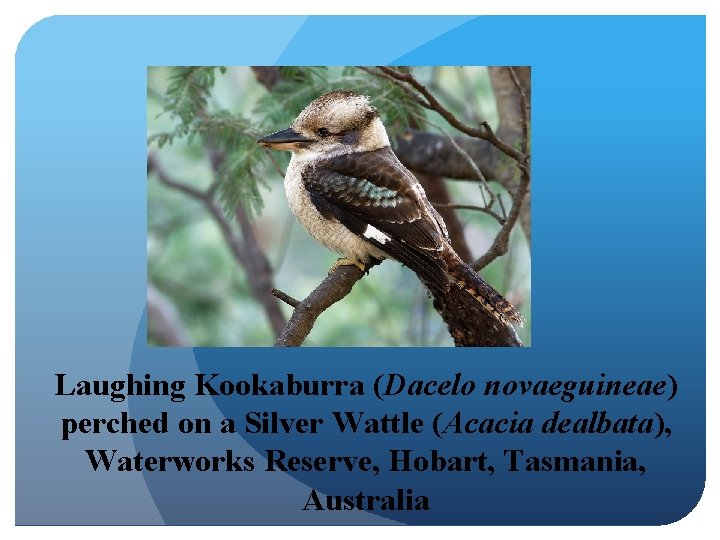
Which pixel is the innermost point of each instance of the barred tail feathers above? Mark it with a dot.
(491, 300)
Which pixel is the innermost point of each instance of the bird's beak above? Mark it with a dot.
(286, 139)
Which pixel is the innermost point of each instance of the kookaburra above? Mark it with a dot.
(345, 185)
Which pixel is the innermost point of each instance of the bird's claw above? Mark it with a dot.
(348, 262)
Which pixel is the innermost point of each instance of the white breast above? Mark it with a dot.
(330, 233)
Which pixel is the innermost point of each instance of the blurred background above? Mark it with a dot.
(220, 233)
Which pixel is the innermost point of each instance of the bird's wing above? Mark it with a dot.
(378, 199)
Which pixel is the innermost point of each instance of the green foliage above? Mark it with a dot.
(185, 98)
(167, 137)
(189, 90)
(304, 74)
(228, 137)
(222, 129)
(239, 177)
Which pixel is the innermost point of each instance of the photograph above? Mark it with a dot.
(364, 206)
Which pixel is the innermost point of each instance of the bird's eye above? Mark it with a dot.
(323, 132)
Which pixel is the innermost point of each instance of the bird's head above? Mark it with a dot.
(338, 122)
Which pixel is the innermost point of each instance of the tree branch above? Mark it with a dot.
(501, 243)
(289, 300)
(479, 175)
(483, 209)
(512, 89)
(525, 143)
(485, 132)
(513, 109)
(336, 286)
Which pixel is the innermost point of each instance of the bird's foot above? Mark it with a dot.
(348, 262)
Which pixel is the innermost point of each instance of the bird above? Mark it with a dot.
(352, 194)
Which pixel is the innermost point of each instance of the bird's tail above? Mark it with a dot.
(491, 300)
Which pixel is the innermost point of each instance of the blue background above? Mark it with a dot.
(618, 271)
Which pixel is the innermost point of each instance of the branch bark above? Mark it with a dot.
(512, 89)
(501, 243)
(336, 286)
